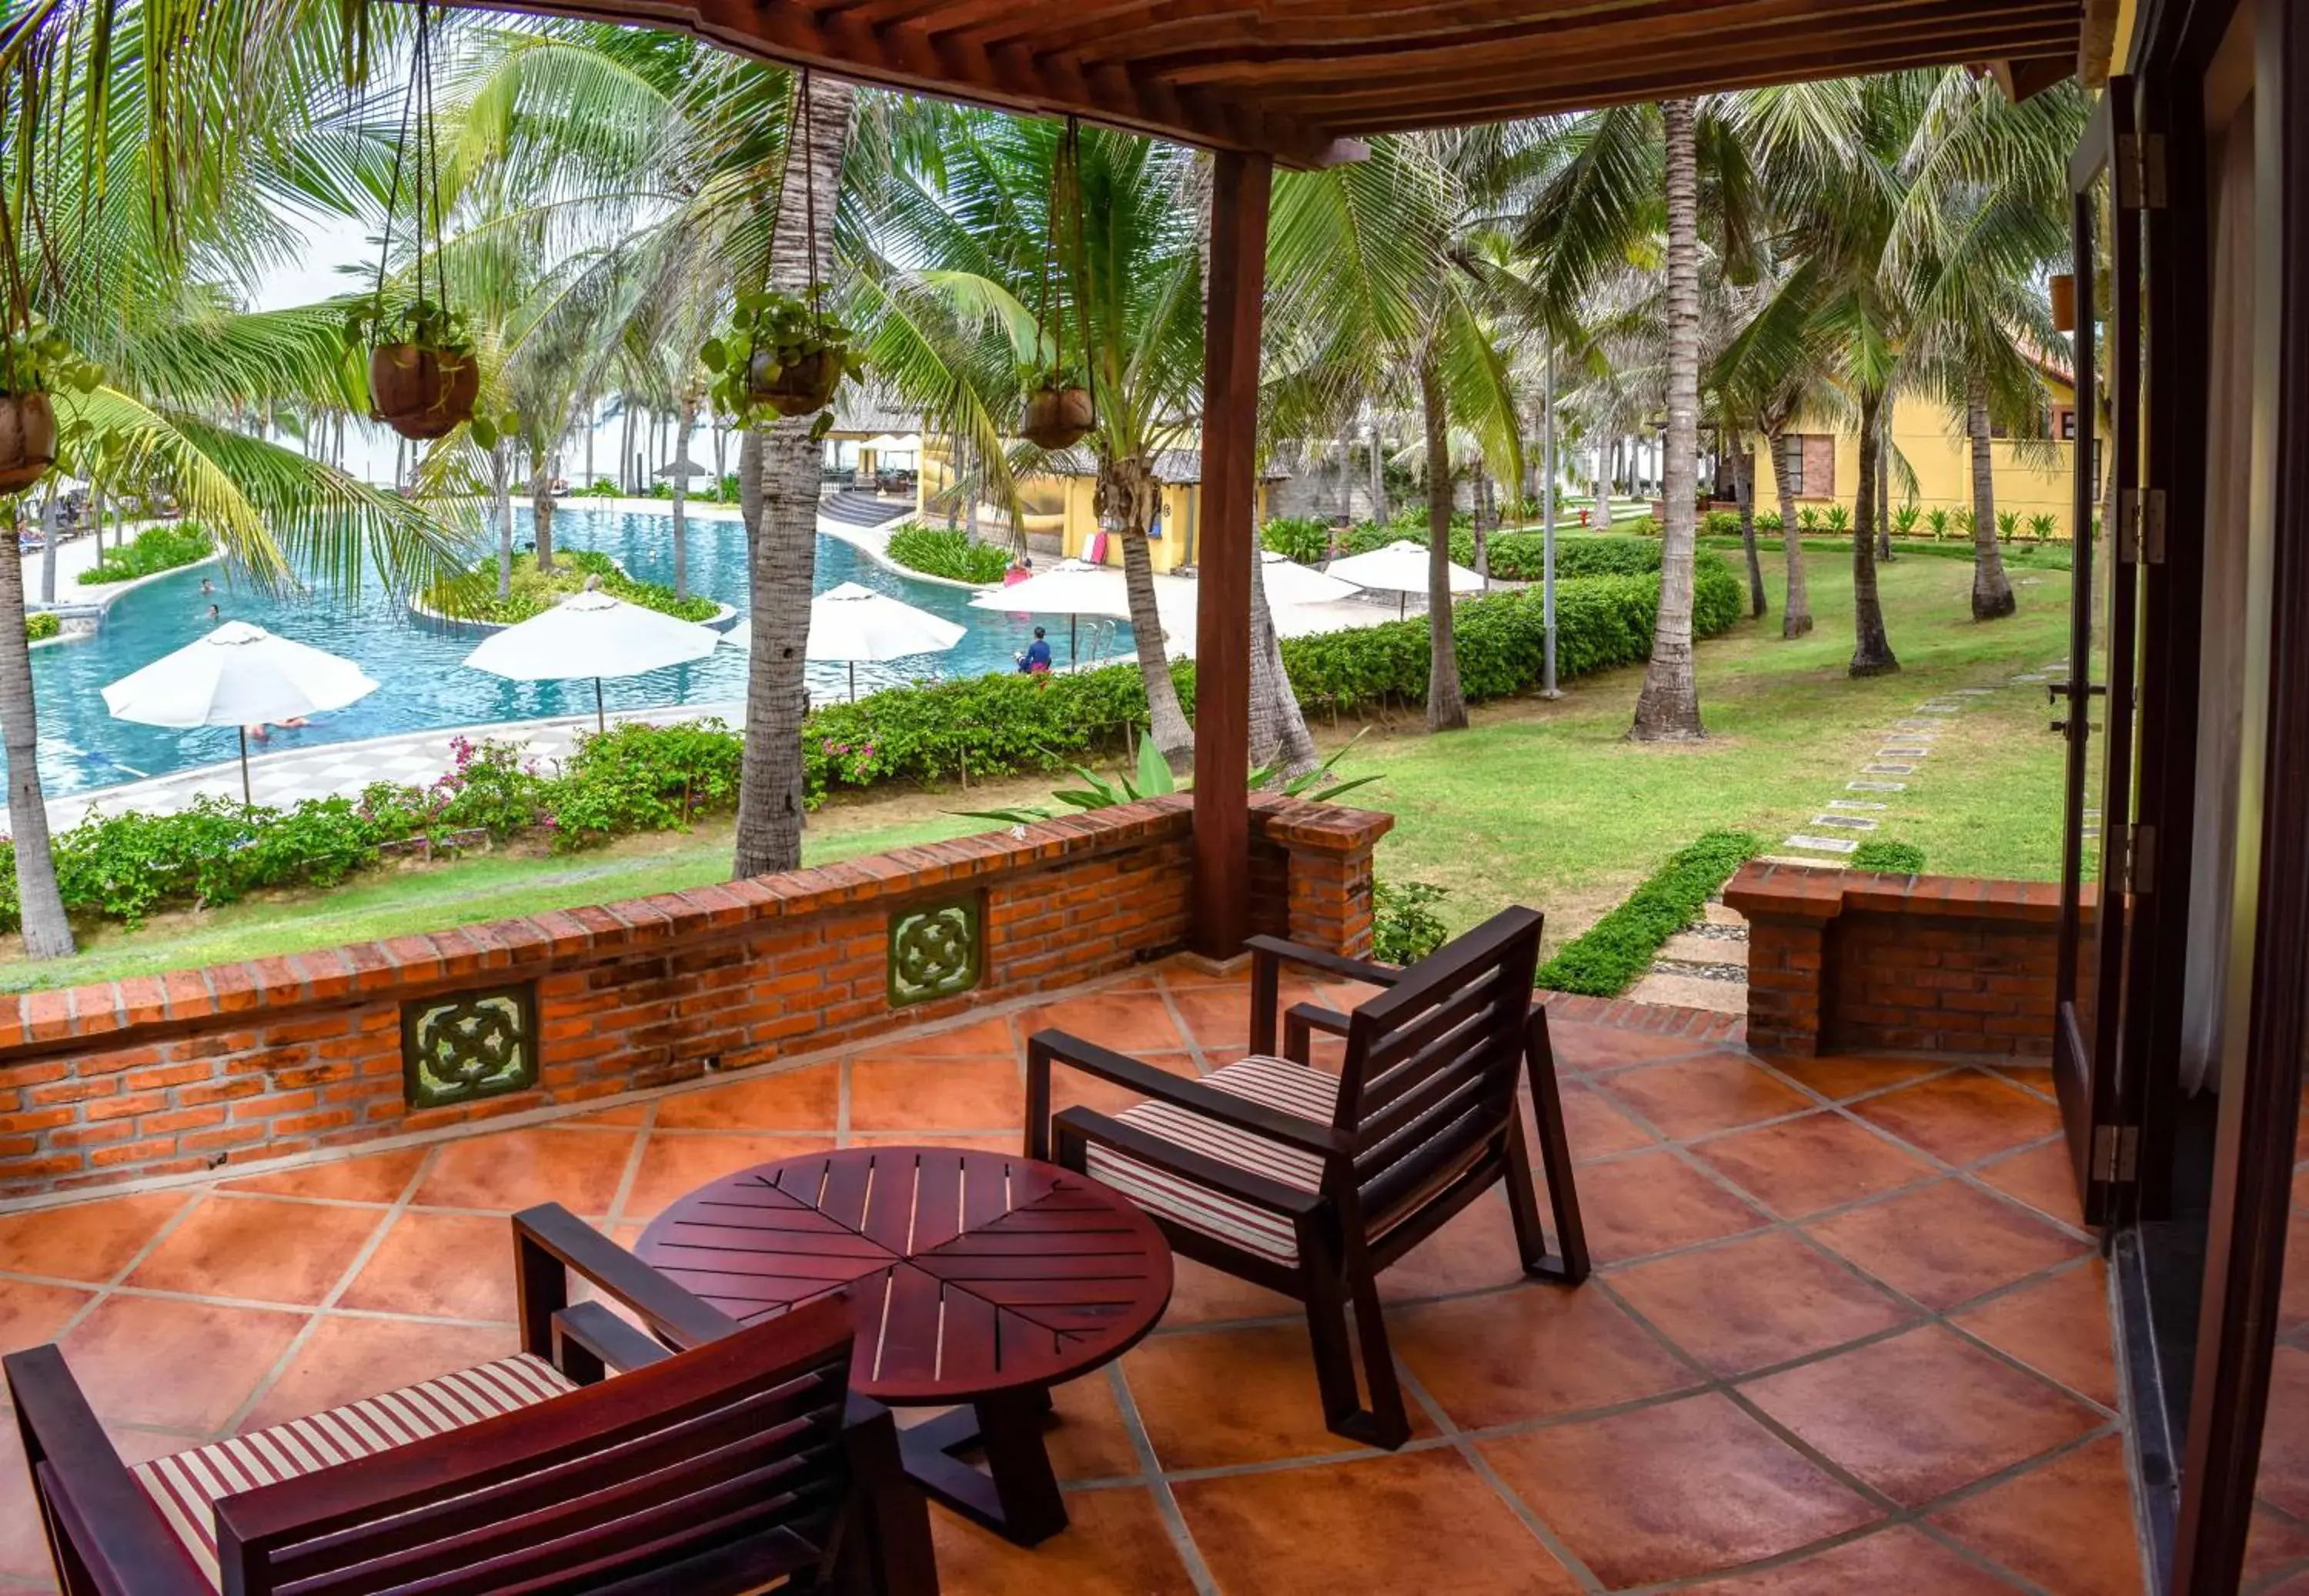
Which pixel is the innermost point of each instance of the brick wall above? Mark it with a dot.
(240, 1061)
(1846, 962)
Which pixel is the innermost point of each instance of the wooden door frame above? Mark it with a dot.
(2269, 940)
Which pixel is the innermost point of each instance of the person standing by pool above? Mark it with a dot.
(1036, 659)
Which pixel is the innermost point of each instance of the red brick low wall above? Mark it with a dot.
(1846, 962)
(237, 1063)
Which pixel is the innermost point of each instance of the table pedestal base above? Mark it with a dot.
(1016, 1495)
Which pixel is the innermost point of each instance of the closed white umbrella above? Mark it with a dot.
(1400, 568)
(851, 623)
(1290, 582)
(1071, 587)
(592, 634)
(239, 676)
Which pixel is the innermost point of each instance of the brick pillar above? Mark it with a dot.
(1788, 908)
(1328, 869)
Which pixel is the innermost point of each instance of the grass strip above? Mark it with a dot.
(1618, 947)
(1891, 858)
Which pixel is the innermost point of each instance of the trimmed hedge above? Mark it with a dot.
(2041, 557)
(1619, 947)
(948, 552)
(156, 549)
(1000, 725)
(1514, 557)
(42, 625)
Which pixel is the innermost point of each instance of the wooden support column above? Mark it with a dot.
(1230, 317)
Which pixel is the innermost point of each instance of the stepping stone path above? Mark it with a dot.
(1707, 966)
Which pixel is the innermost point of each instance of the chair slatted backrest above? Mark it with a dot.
(1431, 1064)
(734, 1447)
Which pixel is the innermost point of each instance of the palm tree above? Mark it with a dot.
(1987, 215)
(202, 141)
(1667, 710)
(1770, 371)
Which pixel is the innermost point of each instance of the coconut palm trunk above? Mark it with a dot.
(778, 487)
(1127, 498)
(1668, 708)
(687, 423)
(47, 934)
(1871, 651)
(501, 506)
(1278, 730)
(1447, 703)
(1992, 590)
(1795, 615)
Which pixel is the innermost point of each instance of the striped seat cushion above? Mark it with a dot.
(187, 1484)
(1295, 1089)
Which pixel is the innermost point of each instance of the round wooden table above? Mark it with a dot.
(975, 1279)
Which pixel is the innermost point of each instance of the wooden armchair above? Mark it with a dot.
(740, 1461)
(1308, 1183)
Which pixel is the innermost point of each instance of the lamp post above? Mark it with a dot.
(1547, 687)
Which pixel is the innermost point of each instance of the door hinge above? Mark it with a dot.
(2140, 526)
(2152, 529)
(2140, 171)
(2117, 1152)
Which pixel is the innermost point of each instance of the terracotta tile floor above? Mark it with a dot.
(1844, 1334)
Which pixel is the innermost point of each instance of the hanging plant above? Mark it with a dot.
(1060, 410)
(423, 379)
(779, 353)
(35, 362)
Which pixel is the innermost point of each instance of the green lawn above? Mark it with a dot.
(1538, 803)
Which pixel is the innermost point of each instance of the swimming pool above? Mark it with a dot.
(423, 682)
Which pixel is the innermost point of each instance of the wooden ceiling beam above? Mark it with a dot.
(1267, 66)
(1450, 111)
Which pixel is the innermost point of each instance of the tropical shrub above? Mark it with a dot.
(12, 914)
(601, 488)
(474, 596)
(638, 778)
(1905, 519)
(2008, 525)
(129, 866)
(1720, 523)
(1938, 520)
(1306, 538)
(2043, 526)
(1840, 520)
(42, 625)
(156, 549)
(1405, 929)
(1964, 520)
(1808, 519)
(1768, 520)
(1892, 858)
(1619, 947)
(948, 552)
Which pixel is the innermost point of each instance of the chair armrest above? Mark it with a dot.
(1047, 1046)
(550, 1235)
(590, 1343)
(94, 1503)
(1300, 1020)
(1148, 1148)
(1314, 958)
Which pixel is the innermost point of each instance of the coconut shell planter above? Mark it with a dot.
(1058, 418)
(796, 388)
(422, 393)
(27, 440)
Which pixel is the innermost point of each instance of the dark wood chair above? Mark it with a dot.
(739, 1463)
(1282, 1173)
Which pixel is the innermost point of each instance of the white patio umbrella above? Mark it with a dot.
(592, 634)
(239, 676)
(851, 623)
(1071, 587)
(1290, 582)
(1400, 568)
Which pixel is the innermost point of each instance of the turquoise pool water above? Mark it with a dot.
(423, 682)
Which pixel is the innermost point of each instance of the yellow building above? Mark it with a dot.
(2032, 475)
(1059, 509)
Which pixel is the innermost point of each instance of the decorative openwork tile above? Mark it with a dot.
(937, 949)
(468, 1045)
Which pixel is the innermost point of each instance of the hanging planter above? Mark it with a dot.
(423, 379)
(1059, 415)
(1060, 409)
(34, 363)
(779, 354)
